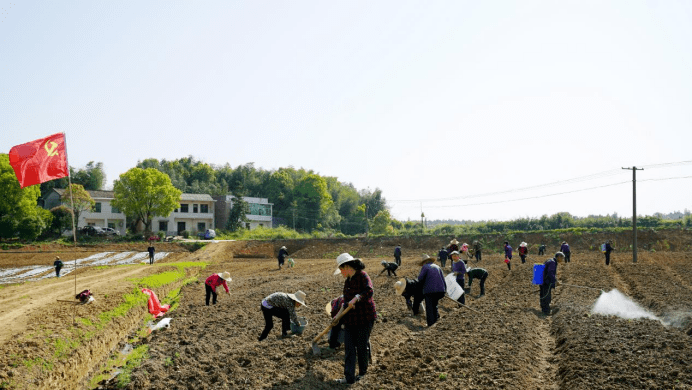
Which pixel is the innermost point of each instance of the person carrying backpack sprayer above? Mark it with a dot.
(549, 280)
(564, 248)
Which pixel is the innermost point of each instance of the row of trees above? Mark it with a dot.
(302, 199)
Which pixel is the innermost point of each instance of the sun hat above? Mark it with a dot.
(522, 244)
(454, 253)
(383, 262)
(425, 259)
(559, 254)
(400, 286)
(341, 260)
(328, 308)
(454, 241)
(225, 276)
(283, 247)
(299, 297)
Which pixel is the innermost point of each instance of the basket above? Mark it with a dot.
(300, 327)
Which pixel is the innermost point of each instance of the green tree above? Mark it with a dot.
(62, 219)
(238, 214)
(19, 214)
(381, 224)
(313, 201)
(81, 198)
(144, 194)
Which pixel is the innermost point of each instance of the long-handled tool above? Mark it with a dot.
(315, 347)
(475, 311)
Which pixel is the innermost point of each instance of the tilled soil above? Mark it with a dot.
(500, 340)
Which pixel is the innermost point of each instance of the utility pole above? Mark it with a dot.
(634, 211)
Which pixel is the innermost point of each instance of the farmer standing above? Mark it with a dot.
(434, 287)
(281, 305)
(477, 273)
(477, 250)
(453, 246)
(442, 256)
(523, 252)
(215, 281)
(283, 254)
(397, 254)
(358, 295)
(151, 251)
(549, 278)
(608, 249)
(459, 269)
(508, 255)
(58, 266)
(564, 248)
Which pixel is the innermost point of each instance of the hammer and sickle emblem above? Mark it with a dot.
(51, 151)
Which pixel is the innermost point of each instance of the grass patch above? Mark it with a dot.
(132, 361)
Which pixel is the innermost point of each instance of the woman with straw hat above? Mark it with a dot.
(358, 322)
(215, 281)
(523, 252)
(434, 287)
(281, 305)
(407, 288)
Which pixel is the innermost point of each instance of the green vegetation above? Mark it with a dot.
(132, 361)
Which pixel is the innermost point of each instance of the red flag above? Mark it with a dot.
(39, 161)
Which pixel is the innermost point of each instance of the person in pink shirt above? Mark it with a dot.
(215, 281)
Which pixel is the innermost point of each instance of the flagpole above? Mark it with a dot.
(74, 230)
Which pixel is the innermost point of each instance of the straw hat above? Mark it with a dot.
(454, 253)
(328, 308)
(283, 247)
(299, 297)
(57, 257)
(400, 286)
(522, 244)
(341, 260)
(425, 259)
(225, 276)
(454, 241)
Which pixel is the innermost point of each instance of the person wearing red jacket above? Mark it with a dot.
(215, 281)
(523, 252)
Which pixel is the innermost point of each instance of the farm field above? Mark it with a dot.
(500, 341)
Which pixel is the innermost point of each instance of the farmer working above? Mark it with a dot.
(541, 249)
(434, 287)
(459, 269)
(442, 256)
(477, 273)
(397, 255)
(215, 281)
(151, 250)
(408, 288)
(508, 255)
(283, 254)
(358, 295)
(549, 279)
(281, 305)
(564, 248)
(58, 266)
(389, 267)
(608, 249)
(523, 252)
(336, 333)
(477, 246)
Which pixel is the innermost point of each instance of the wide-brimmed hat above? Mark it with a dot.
(57, 257)
(283, 247)
(559, 254)
(425, 259)
(452, 253)
(225, 276)
(522, 244)
(299, 297)
(454, 241)
(328, 308)
(400, 286)
(341, 260)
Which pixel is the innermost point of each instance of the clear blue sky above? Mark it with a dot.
(424, 100)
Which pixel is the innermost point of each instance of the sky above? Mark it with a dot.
(464, 110)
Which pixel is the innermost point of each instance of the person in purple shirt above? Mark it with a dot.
(564, 248)
(508, 255)
(434, 287)
(459, 269)
(549, 280)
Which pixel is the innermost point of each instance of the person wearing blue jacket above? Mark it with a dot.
(549, 280)
(434, 287)
(508, 255)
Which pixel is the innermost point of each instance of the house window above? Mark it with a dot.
(195, 208)
(111, 225)
(201, 226)
(163, 226)
(204, 208)
(184, 207)
(97, 207)
(115, 210)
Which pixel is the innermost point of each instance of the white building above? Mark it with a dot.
(260, 212)
(196, 213)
